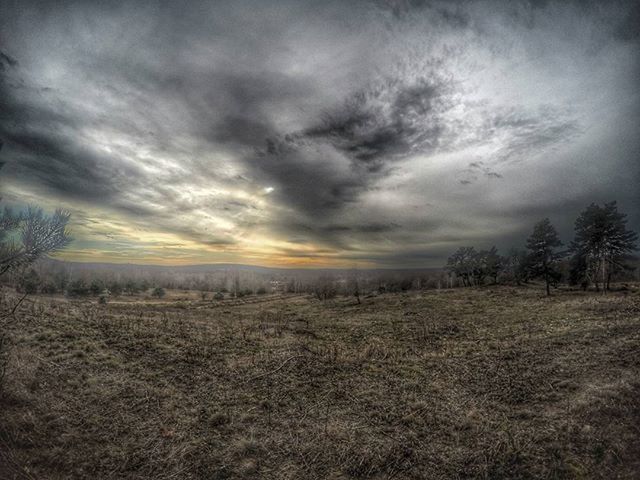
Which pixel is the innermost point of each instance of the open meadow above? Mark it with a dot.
(302, 240)
(489, 383)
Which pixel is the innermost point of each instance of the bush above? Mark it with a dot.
(131, 288)
(49, 288)
(104, 296)
(96, 287)
(218, 296)
(261, 291)
(158, 292)
(325, 288)
(77, 288)
(29, 282)
(115, 288)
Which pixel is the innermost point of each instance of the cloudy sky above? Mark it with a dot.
(361, 133)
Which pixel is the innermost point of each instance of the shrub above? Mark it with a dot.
(325, 288)
(96, 287)
(77, 288)
(218, 296)
(115, 288)
(104, 296)
(49, 288)
(158, 292)
(29, 282)
(131, 287)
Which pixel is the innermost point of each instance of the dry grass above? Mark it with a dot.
(492, 383)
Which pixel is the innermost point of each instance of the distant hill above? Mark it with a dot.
(217, 267)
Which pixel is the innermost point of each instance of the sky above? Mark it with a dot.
(305, 133)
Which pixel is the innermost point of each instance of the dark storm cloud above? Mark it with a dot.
(44, 146)
(6, 61)
(81, 174)
(340, 124)
(327, 166)
(336, 237)
(386, 121)
(369, 227)
(312, 179)
(627, 29)
(450, 13)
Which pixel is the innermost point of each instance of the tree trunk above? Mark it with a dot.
(546, 280)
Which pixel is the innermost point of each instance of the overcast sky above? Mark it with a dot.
(360, 133)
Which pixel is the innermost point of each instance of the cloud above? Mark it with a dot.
(392, 119)
(6, 61)
(531, 131)
(369, 131)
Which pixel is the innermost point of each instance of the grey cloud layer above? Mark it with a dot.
(138, 105)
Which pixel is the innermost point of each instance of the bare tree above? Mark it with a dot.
(515, 266)
(353, 286)
(325, 287)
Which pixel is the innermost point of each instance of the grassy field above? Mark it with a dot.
(467, 383)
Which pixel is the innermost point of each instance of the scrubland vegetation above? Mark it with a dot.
(497, 382)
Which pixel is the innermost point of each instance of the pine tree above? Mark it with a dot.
(601, 243)
(38, 235)
(543, 259)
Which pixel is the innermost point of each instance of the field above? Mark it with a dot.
(495, 383)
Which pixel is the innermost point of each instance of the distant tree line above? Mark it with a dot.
(75, 281)
(601, 249)
(600, 253)
(50, 278)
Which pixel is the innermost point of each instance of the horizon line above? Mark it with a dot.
(192, 265)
